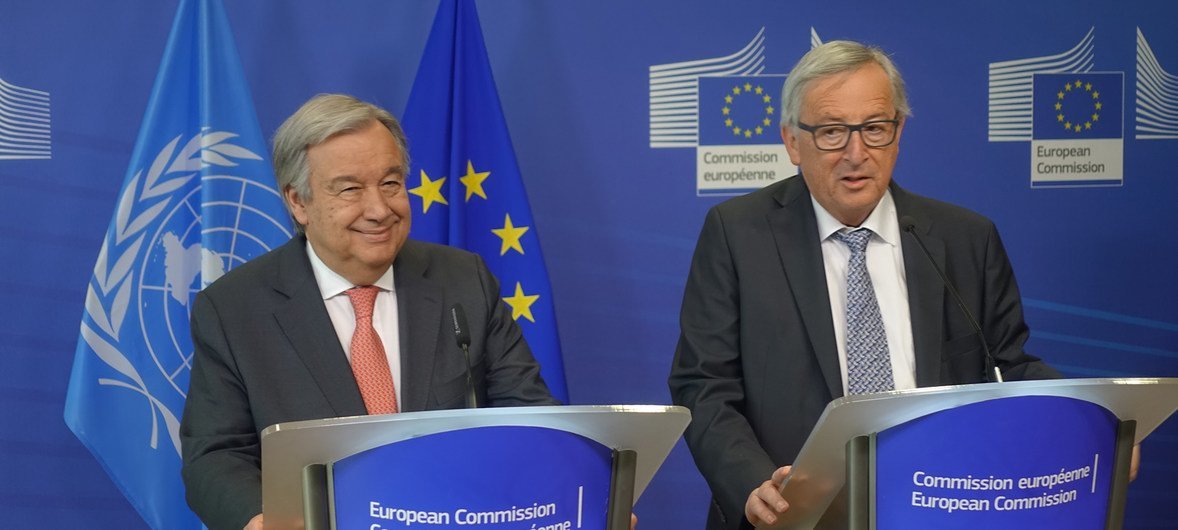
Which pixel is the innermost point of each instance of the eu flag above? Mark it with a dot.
(1078, 106)
(740, 110)
(465, 183)
(199, 198)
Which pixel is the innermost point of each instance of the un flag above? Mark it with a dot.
(199, 199)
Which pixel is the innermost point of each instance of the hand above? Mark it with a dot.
(633, 522)
(255, 523)
(766, 503)
(1134, 462)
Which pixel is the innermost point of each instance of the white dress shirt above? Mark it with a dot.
(339, 307)
(885, 264)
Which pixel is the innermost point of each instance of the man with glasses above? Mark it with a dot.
(810, 289)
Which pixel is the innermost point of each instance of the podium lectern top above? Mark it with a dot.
(649, 430)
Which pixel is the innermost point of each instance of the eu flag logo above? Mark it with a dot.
(740, 110)
(1078, 106)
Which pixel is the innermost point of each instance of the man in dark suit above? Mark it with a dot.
(348, 318)
(783, 313)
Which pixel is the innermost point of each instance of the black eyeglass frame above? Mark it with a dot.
(812, 129)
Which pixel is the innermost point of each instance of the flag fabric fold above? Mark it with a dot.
(199, 199)
(464, 184)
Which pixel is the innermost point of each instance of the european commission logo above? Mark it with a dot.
(728, 109)
(1071, 116)
(1074, 117)
(24, 123)
(1078, 136)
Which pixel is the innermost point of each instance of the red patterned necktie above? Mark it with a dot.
(369, 363)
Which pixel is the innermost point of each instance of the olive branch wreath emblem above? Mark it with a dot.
(108, 295)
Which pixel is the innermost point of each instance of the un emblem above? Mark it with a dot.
(178, 227)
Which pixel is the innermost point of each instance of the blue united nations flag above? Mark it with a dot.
(465, 184)
(1074, 106)
(199, 199)
(740, 110)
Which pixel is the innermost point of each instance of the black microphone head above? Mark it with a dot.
(907, 223)
(461, 330)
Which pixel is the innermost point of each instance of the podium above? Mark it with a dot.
(547, 467)
(1028, 454)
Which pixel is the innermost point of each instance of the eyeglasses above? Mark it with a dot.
(835, 136)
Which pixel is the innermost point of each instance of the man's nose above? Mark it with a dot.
(856, 150)
(376, 205)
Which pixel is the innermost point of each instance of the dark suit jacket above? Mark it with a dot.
(266, 353)
(757, 361)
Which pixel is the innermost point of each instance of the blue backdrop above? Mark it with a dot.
(615, 201)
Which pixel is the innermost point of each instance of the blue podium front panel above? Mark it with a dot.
(1027, 462)
(487, 477)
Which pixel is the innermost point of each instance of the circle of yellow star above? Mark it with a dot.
(521, 304)
(430, 192)
(474, 181)
(1077, 126)
(510, 235)
(726, 111)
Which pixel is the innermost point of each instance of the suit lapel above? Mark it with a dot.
(926, 292)
(309, 329)
(795, 232)
(419, 309)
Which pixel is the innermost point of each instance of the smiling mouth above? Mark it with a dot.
(375, 236)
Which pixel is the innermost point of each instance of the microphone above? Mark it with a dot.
(992, 373)
(462, 336)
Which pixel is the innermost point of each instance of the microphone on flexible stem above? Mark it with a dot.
(992, 372)
(462, 336)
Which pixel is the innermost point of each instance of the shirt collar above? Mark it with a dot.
(882, 221)
(331, 284)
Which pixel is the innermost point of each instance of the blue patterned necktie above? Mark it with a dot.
(869, 365)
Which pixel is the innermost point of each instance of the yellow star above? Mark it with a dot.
(1077, 127)
(1088, 87)
(1099, 105)
(725, 110)
(1060, 95)
(727, 99)
(760, 130)
(769, 110)
(1078, 83)
(747, 87)
(1059, 117)
(1095, 117)
(1087, 125)
(521, 304)
(728, 122)
(1058, 106)
(1067, 125)
(510, 235)
(474, 181)
(736, 131)
(748, 133)
(1096, 95)
(760, 90)
(736, 90)
(767, 122)
(767, 98)
(430, 191)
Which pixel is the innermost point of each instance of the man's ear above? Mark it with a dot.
(298, 208)
(791, 144)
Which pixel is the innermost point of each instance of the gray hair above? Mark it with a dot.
(320, 118)
(836, 57)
